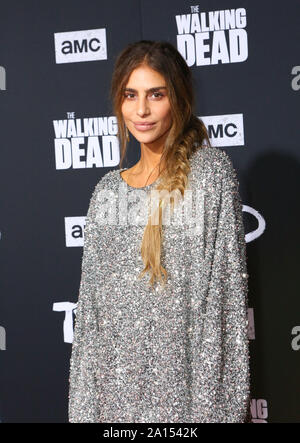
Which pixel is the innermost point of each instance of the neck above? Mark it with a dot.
(148, 160)
(150, 156)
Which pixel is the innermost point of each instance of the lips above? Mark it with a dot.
(143, 126)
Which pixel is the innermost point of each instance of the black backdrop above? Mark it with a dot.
(247, 77)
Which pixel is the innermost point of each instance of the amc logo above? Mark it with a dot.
(225, 130)
(80, 46)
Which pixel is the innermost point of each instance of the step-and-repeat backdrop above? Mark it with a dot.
(58, 138)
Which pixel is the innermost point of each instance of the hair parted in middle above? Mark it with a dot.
(186, 135)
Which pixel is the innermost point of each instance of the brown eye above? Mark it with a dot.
(157, 94)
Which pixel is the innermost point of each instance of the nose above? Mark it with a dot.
(142, 106)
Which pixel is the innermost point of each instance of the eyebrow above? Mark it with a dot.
(157, 88)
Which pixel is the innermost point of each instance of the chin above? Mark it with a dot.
(146, 138)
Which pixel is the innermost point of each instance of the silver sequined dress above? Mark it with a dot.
(174, 355)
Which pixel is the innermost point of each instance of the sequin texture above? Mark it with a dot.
(178, 354)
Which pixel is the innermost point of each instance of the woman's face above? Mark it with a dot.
(146, 108)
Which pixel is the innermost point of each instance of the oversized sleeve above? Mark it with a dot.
(229, 282)
(219, 284)
(83, 390)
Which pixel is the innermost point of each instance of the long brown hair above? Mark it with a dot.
(187, 133)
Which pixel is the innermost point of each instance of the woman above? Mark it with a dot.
(174, 348)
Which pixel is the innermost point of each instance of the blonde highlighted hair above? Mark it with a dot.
(187, 133)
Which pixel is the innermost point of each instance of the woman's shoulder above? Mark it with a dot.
(211, 157)
(212, 163)
(108, 180)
